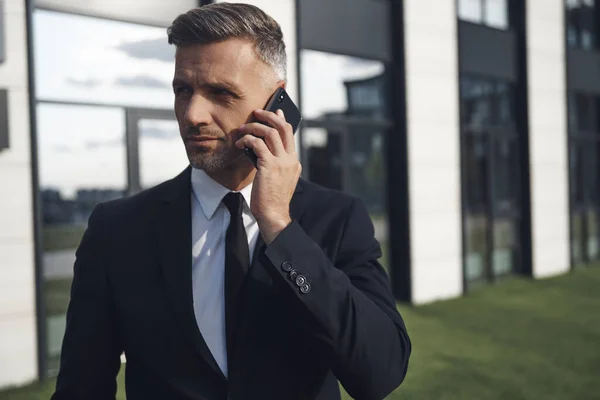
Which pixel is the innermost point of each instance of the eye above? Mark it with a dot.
(181, 90)
(221, 92)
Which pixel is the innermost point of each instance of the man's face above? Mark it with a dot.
(217, 87)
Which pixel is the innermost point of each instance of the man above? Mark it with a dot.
(230, 282)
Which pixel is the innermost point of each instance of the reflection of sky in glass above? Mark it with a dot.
(95, 60)
(470, 10)
(162, 152)
(81, 147)
(323, 77)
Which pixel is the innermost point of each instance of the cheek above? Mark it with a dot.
(231, 118)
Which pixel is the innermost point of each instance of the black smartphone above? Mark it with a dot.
(279, 101)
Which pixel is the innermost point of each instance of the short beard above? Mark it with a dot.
(215, 162)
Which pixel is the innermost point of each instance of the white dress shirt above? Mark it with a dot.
(210, 219)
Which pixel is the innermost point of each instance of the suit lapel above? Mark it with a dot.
(174, 230)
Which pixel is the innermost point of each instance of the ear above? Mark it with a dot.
(282, 84)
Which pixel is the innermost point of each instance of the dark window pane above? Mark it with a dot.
(476, 105)
(476, 237)
(577, 163)
(505, 175)
(504, 106)
(577, 243)
(572, 110)
(476, 162)
(505, 250)
(583, 110)
(587, 26)
(591, 174)
(592, 231)
(322, 150)
(573, 22)
(597, 114)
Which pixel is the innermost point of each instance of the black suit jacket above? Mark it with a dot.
(132, 292)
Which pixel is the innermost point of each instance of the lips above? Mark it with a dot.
(201, 138)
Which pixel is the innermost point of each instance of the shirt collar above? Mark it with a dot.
(209, 192)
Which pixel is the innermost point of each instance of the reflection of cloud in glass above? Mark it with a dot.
(162, 153)
(72, 52)
(81, 147)
(152, 49)
(62, 148)
(97, 144)
(88, 83)
(155, 132)
(142, 81)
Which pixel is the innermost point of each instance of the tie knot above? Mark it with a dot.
(234, 203)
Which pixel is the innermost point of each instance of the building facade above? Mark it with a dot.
(470, 129)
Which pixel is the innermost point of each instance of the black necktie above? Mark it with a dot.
(237, 262)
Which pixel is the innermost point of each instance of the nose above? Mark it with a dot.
(198, 111)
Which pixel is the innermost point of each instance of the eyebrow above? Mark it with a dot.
(218, 85)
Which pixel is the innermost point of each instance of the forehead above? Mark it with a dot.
(232, 59)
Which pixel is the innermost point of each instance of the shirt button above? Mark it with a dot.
(286, 266)
(293, 274)
(305, 288)
(300, 280)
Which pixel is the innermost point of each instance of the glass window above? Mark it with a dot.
(492, 13)
(581, 24)
(504, 107)
(505, 174)
(322, 149)
(577, 163)
(162, 153)
(151, 12)
(344, 104)
(83, 59)
(476, 161)
(491, 172)
(583, 111)
(476, 246)
(476, 102)
(496, 13)
(338, 86)
(470, 10)
(82, 162)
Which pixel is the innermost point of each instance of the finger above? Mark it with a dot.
(277, 121)
(270, 135)
(257, 144)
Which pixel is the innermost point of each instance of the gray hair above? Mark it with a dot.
(218, 22)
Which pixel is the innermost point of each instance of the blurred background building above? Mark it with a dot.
(470, 128)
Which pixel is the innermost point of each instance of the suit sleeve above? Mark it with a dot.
(349, 305)
(90, 357)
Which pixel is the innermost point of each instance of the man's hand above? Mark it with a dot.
(278, 171)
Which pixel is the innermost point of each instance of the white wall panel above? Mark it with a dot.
(18, 349)
(433, 149)
(548, 137)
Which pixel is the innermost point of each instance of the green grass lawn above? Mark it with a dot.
(520, 339)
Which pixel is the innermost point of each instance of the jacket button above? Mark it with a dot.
(293, 274)
(300, 280)
(286, 266)
(305, 288)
